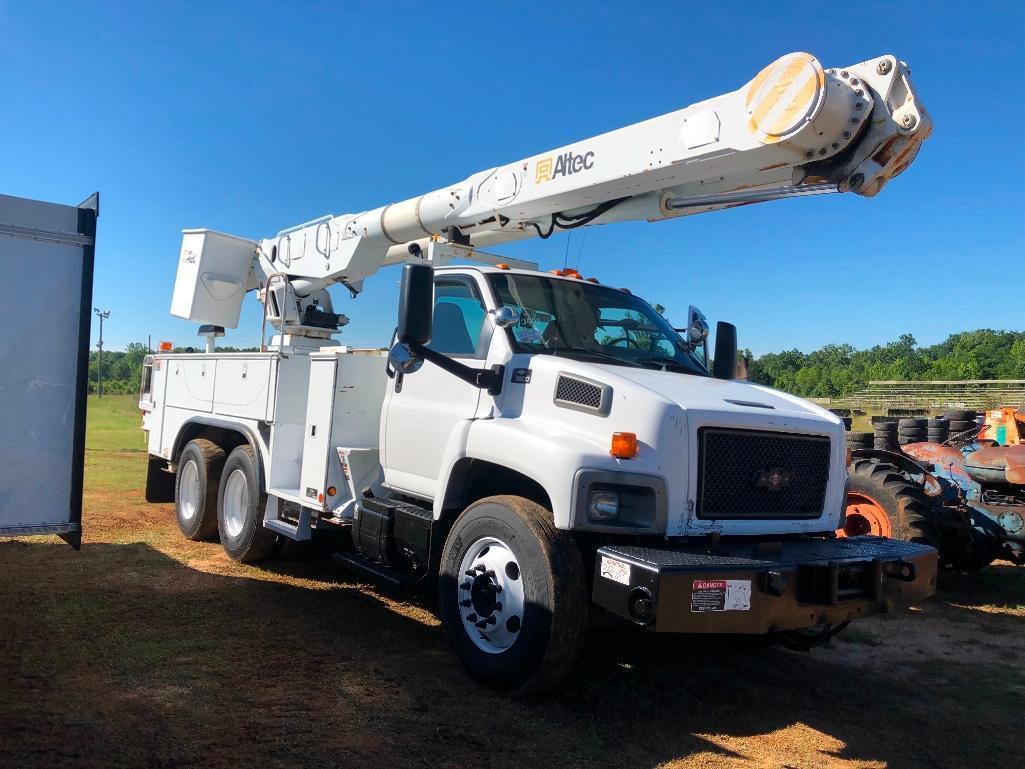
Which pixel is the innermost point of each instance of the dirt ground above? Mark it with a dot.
(144, 649)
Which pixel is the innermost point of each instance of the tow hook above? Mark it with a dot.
(902, 570)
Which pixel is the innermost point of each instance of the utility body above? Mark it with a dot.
(533, 443)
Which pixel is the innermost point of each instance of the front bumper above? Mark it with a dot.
(756, 588)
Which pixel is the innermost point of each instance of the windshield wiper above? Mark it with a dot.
(664, 363)
(594, 353)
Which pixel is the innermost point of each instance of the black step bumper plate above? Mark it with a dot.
(755, 588)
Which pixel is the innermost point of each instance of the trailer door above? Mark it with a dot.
(46, 276)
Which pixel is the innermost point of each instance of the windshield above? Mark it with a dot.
(576, 318)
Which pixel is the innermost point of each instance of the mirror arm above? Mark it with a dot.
(485, 379)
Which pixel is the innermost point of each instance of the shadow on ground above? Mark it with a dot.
(122, 656)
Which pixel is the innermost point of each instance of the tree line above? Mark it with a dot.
(834, 370)
(840, 369)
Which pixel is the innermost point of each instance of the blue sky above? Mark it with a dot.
(252, 117)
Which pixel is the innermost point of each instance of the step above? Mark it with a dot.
(372, 571)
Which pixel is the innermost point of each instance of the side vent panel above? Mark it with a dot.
(581, 394)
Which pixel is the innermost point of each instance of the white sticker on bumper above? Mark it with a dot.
(617, 571)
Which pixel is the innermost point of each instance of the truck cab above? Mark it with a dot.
(584, 363)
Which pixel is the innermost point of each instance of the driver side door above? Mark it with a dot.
(422, 410)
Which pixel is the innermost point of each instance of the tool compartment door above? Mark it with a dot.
(44, 357)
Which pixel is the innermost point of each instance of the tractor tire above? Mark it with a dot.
(938, 423)
(513, 598)
(195, 488)
(859, 438)
(938, 436)
(960, 427)
(878, 489)
(240, 506)
(911, 432)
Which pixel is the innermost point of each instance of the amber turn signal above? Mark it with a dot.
(166, 347)
(624, 445)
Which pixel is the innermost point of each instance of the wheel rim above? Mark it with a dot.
(865, 516)
(188, 492)
(236, 502)
(490, 595)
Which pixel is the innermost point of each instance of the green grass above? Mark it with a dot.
(115, 445)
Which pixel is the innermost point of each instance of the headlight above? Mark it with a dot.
(603, 505)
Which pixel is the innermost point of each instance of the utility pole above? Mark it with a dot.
(102, 315)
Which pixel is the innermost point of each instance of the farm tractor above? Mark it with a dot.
(956, 482)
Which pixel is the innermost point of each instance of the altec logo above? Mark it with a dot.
(565, 164)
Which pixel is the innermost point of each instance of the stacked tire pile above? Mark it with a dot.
(857, 440)
(938, 429)
(884, 436)
(912, 430)
(960, 421)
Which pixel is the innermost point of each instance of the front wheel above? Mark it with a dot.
(512, 594)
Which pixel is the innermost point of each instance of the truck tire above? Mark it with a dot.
(903, 504)
(195, 488)
(512, 595)
(240, 506)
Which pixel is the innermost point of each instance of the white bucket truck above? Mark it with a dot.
(535, 444)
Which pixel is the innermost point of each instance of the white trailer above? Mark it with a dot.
(44, 360)
(536, 443)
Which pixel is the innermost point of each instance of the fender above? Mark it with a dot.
(930, 483)
(251, 438)
(534, 453)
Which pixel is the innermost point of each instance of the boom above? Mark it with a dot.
(795, 129)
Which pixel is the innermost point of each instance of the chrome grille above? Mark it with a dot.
(753, 474)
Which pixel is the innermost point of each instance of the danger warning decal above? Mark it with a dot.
(721, 595)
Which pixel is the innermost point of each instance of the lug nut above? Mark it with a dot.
(844, 74)
(884, 67)
(466, 604)
(471, 617)
(859, 106)
(498, 606)
(855, 81)
(466, 586)
(847, 134)
(908, 121)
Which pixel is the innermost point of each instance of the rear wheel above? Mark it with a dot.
(195, 488)
(883, 502)
(512, 594)
(240, 505)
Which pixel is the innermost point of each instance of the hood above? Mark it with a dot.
(706, 394)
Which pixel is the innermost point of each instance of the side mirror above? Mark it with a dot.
(416, 305)
(697, 326)
(506, 316)
(402, 360)
(725, 363)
